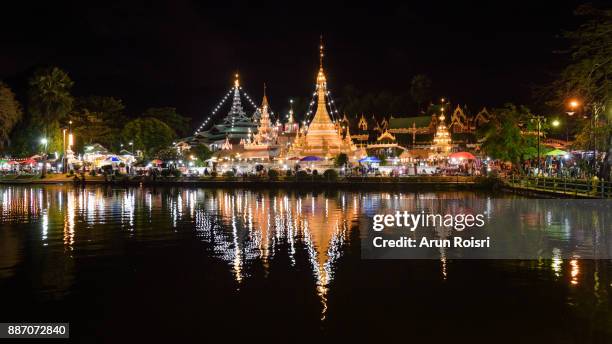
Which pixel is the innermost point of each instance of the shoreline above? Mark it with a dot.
(411, 183)
(422, 182)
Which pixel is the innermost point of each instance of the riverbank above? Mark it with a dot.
(413, 182)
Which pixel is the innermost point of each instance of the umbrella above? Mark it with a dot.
(113, 159)
(2, 161)
(13, 162)
(462, 155)
(556, 152)
(156, 162)
(370, 159)
(29, 161)
(311, 158)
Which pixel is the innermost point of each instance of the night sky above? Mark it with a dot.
(184, 54)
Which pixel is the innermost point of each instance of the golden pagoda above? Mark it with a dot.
(442, 139)
(322, 137)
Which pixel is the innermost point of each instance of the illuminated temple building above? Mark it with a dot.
(264, 143)
(323, 138)
(235, 127)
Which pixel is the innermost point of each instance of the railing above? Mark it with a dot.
(563, 186)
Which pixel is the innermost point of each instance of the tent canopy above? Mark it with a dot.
(556, 152)
(311, 158)
(370, 159)
(462, 155)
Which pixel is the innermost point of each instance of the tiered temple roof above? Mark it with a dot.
(236, 126)
(323, 138)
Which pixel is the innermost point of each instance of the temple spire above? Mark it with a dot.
(321, 53)
(264, 102)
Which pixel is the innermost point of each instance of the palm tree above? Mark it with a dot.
(50, 102)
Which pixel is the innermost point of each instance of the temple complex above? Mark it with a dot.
(322, 138)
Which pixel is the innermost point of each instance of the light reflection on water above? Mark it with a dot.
(247, 230)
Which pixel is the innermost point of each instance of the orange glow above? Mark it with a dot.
(573, 104)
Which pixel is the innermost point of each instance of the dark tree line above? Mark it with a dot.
(51, 108)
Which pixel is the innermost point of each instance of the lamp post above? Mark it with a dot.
(573, 105)
(64, 150)
(539, 120)
(44, 142)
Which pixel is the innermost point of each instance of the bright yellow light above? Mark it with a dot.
(70, 140)
(556, 123)
(573, 104)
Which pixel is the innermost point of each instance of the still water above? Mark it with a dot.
(197, 264)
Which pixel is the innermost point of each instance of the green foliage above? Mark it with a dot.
(168, 115)
(167, 154)
(341, 160)
(510, 135)
(200, 152)
(420, 89)
(98, 119)
(273, 175)
(148, 134)
(594, 137)
(10, 114)
(49, 103)
(331, 175)
(383, 159)
(587, 77)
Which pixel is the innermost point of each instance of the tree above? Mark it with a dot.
(588, 75)
(168, 115)
(98, 119)
(10, 114)
(341, 160)
(200, 152)
(168, 154)
(420, 89)
(148, 135)
(510, 135)
(49, 103)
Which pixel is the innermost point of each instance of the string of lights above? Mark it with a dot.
(228, 95)
(331, 104)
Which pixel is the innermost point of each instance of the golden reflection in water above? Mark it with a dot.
(243, 228)
(575, 271)
(260, 222)
(556, 262)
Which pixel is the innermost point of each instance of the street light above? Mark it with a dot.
(555, 123)
(539, 120)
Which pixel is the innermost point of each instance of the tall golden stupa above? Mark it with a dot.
(322, 138)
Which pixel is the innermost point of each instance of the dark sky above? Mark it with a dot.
(183, 53)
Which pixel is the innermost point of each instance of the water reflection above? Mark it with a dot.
(246, 230)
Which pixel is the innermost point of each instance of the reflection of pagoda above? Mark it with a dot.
(442, 140)
(322, 137)
(236, 126)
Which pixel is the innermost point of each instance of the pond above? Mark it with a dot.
(186, 264)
